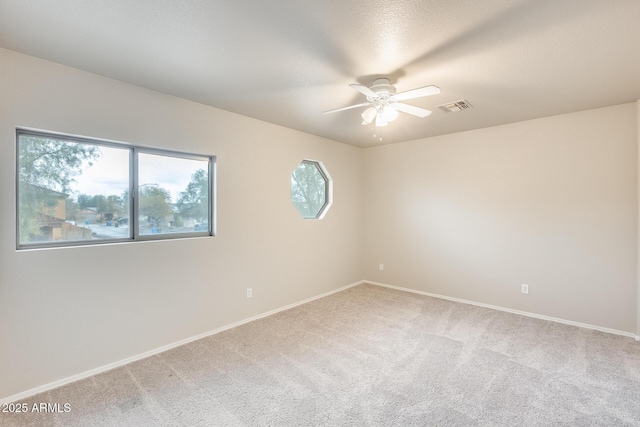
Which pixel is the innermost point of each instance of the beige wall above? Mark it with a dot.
(551, 203)
(65, 311)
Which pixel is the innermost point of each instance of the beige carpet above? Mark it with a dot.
(369, 356)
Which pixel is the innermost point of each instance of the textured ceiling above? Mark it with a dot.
(286, 61)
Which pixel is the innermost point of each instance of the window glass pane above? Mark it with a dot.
(71, 191)
(309, 189)
(173, 194)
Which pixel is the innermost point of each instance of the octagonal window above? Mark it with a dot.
(311, 188)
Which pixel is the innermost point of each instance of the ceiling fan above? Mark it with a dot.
(383, 102)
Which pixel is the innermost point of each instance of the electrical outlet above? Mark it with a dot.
(249, 292)
(381, 266)
(525, 288)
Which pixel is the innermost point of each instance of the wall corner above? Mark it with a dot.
(638, 213)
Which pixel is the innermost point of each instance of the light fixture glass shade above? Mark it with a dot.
(380, 120)
(368, 115)
(389, 113)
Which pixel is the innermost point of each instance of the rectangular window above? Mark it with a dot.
(74, 191)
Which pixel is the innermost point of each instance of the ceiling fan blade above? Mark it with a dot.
(410, 109)
(364, 90)
(346, 108)
(417, 93)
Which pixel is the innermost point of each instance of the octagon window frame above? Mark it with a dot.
(328, 189)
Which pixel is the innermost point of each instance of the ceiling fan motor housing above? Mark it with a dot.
(383, 89)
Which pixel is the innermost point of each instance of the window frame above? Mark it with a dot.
(328, 189)
(133, 187)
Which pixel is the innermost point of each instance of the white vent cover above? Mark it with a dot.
(455, 106)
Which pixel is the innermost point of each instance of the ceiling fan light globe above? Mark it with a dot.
(389, 113)
(380, 121)
(369, 115)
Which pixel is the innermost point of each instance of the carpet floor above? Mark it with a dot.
(368, 356)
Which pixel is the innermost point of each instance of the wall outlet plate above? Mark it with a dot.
(525, 288)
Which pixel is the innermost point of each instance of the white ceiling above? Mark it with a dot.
(286, 61)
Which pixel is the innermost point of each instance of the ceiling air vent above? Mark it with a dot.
(452, 107)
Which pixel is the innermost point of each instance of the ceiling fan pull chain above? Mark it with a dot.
(377, 132)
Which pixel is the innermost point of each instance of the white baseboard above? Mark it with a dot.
(509, 310)
(110, 366)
